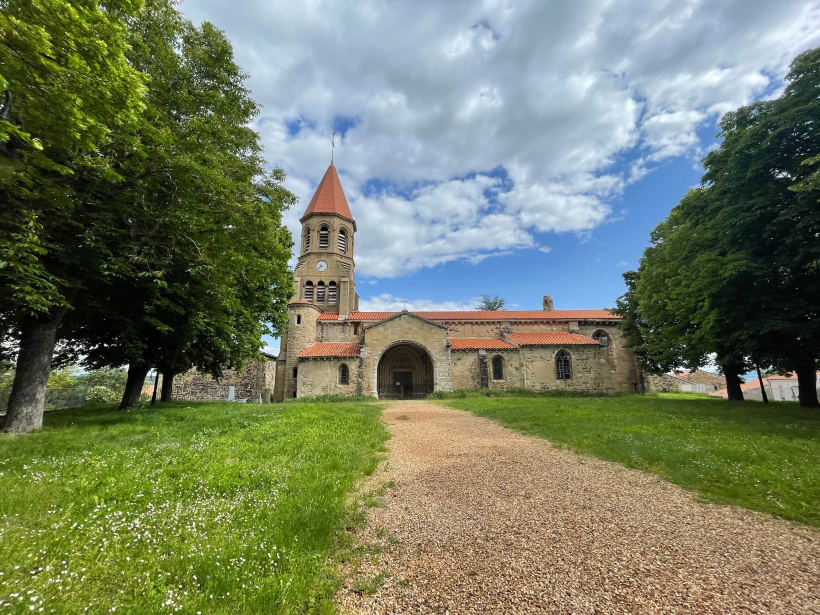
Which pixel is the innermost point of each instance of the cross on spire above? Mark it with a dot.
(405, 304)
(332, 146)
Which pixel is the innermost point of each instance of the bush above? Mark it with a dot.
(101, 395)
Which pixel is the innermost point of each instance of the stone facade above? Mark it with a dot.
(257, 376)
(411, 354)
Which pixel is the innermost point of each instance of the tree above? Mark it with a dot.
(764, 177)
(492, 303)
(678, 309)
(65, 63)
(735, 269)
(208, 249)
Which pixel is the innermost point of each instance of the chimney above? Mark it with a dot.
(548, 304)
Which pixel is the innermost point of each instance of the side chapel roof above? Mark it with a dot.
(330, 349)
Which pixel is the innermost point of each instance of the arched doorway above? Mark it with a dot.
(405, 372)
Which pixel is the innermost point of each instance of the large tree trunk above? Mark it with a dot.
(807, 384)
(167, 387)
(733, 382)
(28, 392)
(133, 385)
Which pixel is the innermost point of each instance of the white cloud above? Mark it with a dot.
(388, 303)
(440, 96)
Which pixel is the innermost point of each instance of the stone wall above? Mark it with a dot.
(466, 371)
(302, 332)
(321, 377)
(713, 382)
(587, 369)
(248, 383)
(660, 383)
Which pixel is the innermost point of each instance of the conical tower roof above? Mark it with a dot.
(329, 197)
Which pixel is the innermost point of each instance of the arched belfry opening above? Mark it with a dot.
(405, 372)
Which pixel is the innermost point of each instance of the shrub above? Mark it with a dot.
(101, 395)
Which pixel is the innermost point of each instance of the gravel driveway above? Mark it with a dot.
(481, 519)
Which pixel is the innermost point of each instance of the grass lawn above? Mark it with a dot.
(211, 508)
(764, 457)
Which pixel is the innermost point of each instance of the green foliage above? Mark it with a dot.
(735, 268)
(764, 457)
(492, 303)
(110, 378)
(102, 395)
(218, 508)
(72, 86)
(6, 374)
(207, 271)
(63, 378)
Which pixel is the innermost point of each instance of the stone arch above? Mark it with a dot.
(602, 337)
(405, 370)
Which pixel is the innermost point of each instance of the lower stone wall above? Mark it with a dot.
(466, 373)
(587, 372)
(321, 377)
(248, 383)
(660, 383)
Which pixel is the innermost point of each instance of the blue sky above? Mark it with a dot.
(509, 147)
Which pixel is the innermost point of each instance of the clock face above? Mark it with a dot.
(321, 265)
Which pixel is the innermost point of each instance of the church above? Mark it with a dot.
(332, 348)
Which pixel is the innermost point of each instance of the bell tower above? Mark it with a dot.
(324, 274)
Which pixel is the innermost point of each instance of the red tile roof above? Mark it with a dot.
(329, 197)
(550, 339)
(473, 343)
(329, 316)
(507, 315)
(746, 386)
(331, 349)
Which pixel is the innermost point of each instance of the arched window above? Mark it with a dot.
(320, 292)
(309, 291)
(324, 235)
(498, 368)
(344, 374)
(342, 243)
(307, 238)
(298, 319)
(331, 292)
(601, 337)
(563, 365)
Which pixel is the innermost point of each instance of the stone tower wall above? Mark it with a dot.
(301, 334)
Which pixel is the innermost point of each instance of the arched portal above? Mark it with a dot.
(405, 372)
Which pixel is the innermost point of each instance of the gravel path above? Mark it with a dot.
(481, 519)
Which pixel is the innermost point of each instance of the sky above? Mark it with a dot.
(517, 148)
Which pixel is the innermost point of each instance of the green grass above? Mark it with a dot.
(764, 457)
(212, 508)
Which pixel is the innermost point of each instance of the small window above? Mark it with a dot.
(498, 368)
(307, 238)
(331, 292)
(295, 372)
(601, 337)
(563, 365)
(309, 291)
(320, 292)
(298, 319)
(344, 374)
(324, 235)
(342, 241)
(355, 328)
